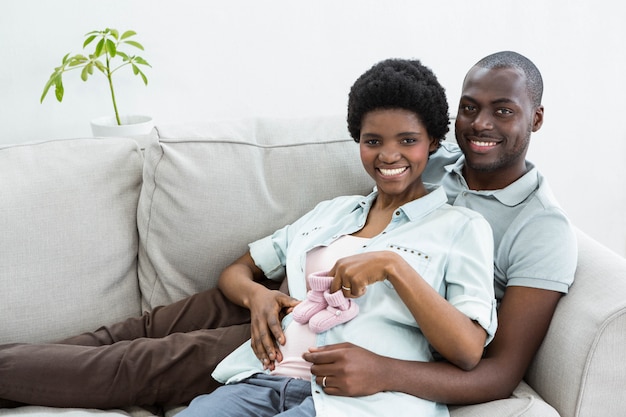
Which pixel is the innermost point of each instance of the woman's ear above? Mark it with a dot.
(434, 144)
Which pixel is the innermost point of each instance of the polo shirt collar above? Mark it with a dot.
(512, 194)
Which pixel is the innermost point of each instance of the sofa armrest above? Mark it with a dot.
(580, 367)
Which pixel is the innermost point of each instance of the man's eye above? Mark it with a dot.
(504, 111)
(468, 108)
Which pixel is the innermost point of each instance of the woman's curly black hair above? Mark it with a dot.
(399, 84)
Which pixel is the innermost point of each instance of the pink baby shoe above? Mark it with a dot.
(319, 282)
(340, 310)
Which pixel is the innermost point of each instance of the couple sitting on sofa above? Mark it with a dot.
(500, 107)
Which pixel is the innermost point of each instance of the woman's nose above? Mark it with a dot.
(389, 155)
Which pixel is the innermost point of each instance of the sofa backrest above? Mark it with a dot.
(212, 188)
(68, 237)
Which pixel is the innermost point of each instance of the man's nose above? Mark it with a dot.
(482, 121)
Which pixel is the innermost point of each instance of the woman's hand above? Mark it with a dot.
(267, 309)
(240, 283)
(354, 273)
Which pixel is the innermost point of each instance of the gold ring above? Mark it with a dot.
(324, 382)
(346, 288)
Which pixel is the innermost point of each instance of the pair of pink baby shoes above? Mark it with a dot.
(321, 309)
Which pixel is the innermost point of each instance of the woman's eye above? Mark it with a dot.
(372, 142)
(409, 140)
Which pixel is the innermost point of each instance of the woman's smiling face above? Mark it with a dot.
(394, 147)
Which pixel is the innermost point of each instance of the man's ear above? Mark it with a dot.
(538, 118)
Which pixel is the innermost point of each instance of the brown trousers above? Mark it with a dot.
(164, 357)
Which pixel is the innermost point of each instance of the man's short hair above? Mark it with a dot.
(510, 59)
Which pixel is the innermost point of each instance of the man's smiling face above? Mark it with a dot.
(494, 121)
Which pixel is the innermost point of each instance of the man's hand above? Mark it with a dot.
(267, 308)
(349, 370)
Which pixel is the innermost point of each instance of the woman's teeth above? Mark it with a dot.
(389, 172)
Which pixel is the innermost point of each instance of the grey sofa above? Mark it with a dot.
(96, 230)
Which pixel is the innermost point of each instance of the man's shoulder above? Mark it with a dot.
(447, 151)
(543, 202)
(447, 154)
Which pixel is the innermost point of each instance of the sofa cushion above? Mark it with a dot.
(69, 237)
(523, 402)
(212, 188)
(38, 411)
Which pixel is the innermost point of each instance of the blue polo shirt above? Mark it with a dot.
(534, 242)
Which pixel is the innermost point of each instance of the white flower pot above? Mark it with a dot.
(132, 126)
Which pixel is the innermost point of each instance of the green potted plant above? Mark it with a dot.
(107, 57)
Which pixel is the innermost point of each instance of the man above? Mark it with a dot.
(535, 247)
(535, 260)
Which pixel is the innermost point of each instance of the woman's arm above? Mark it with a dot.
(459, 339)
(451, 333)
(239, 283)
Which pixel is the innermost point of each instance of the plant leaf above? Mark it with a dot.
(100, 66)
(135, 44)
(77, 60)
(140, 60)
(110, 47)
(89, 40)
(47, 87)
(143, 76)
(128, 34)
(114, 33)
(99, 47)
(84, 74)
(123, 55)
(58, 88)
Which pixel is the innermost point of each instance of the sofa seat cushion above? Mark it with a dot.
(38, 411)
(69, 237)
(523, 402)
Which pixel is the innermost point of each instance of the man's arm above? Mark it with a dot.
(523, 320)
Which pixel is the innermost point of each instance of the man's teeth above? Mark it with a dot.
(481, 143)
(394, 171)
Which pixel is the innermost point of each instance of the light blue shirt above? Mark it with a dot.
(450, 247)
(535, 244)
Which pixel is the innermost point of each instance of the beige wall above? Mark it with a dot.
(291, 57)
